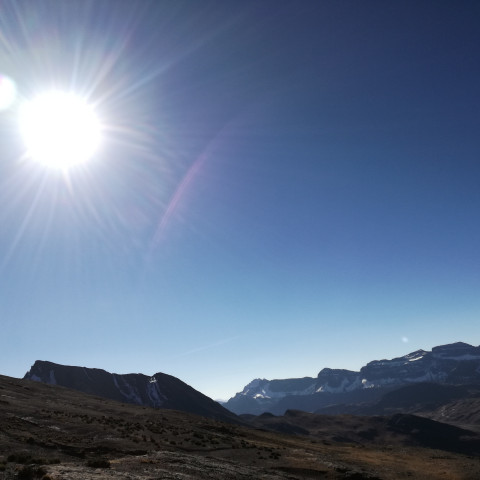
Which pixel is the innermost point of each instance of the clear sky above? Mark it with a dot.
(282, 186)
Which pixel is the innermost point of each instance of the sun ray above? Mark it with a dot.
(60, 129)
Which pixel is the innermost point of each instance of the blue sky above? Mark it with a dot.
(282, 186)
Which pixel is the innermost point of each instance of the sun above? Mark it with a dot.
(60, 129)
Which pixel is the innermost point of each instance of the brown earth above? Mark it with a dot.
(54, 433)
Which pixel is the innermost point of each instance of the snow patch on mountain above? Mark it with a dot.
(156, 397)
(266, 392)
(253, 386)
(346, 385)
(457, 363)
(415, 356)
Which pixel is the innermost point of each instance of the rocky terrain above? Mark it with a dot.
(160, 390)
(54, 433)
(347, 391)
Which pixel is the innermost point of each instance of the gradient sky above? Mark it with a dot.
(283, 186)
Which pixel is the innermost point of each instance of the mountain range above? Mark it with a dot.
(392, 419)
(368, 391)
(50, 432)
(419, 382)
(160, 390)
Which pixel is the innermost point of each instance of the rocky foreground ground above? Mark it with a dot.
(57, 434)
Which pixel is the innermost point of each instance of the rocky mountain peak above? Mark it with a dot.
(458, 349)
(453, 364)
(157, 391)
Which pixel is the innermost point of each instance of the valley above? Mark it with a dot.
(51, 432)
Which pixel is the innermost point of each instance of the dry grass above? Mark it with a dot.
(94, 438)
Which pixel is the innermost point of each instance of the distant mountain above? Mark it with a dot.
(454, 364)
(48, 431)
(158, 391)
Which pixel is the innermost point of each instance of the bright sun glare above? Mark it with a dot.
(60, 129)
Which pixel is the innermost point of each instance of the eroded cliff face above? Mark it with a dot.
(456, 364)
(159, 391)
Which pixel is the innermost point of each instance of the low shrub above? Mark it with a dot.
(98, 463)
(19, 458)
(23, 458)
(28, 472)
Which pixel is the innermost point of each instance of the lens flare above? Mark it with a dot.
(60, 129)
(8, 92)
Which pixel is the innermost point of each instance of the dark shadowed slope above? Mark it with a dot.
(158, 391)
(66, 434)
(398, 429)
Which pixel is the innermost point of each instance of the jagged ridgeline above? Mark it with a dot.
(343, 391)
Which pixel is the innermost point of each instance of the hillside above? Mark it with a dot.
(160, 390)
(59, 433)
